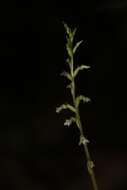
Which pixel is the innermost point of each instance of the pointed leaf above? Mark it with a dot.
(79, 68)
(79, 98)
(65, 106)
(69, 50)
(73, 34)
(76, 46)
(68, 30)
(70, 107)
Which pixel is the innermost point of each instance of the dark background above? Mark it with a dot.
(36, 150)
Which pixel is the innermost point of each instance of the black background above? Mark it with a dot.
(36, 150)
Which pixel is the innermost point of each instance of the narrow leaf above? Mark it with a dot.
(79, 68)
(68, 60)
(65, 106)
(70, 107)
(69, 50)
(68, 30)
(76, 46)
(79, 98)
(73, 34)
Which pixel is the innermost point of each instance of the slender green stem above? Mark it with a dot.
(90, 163)
(76, 100)
(73, 81)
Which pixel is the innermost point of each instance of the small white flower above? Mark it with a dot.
(83, 140)
(67, 122)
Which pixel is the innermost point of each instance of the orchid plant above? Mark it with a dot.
(76, 99)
